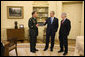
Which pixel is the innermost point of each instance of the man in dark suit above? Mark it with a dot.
(33, 31)
(52, 27)
(63, 33)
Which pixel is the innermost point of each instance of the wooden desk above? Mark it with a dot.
(16, 33)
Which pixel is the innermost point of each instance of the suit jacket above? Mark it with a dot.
(52, 27)
(65, 27)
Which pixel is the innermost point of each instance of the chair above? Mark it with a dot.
(13, 44)
(6, 47)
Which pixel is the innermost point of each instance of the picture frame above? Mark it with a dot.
(15, 12)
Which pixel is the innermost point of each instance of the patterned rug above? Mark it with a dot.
(24, 50)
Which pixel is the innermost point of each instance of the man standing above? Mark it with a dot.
(33, 31)
(52, 27)
(63, 33)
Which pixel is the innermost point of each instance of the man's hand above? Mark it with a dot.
(36, 25)
(44, 22)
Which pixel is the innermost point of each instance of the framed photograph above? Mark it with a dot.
(15, 12)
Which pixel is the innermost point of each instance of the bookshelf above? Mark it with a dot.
(42, 13)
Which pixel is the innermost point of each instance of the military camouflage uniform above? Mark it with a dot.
(33, 32)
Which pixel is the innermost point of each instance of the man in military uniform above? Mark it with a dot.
(33, 31)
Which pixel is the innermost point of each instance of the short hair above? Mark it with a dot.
(33, 12)
(64, 14)
(53, 12)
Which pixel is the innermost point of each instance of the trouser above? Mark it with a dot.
(52, 34)
(33, 43)
(63, 42)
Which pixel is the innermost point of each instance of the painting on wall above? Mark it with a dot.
(15, 12)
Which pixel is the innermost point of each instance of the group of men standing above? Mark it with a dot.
(52, 27)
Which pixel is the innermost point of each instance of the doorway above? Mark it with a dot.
(74, 13)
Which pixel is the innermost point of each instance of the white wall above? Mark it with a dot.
(8, 23)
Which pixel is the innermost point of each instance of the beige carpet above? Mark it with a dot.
(24, 50)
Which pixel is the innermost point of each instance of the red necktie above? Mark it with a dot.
(62, 21)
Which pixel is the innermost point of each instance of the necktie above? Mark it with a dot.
(51, 20)
(62, 21)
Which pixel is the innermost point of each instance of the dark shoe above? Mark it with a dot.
(51, 50)
(33, 51)
(60, 51)
(36, 50)
(45, 49)
(65, 53)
